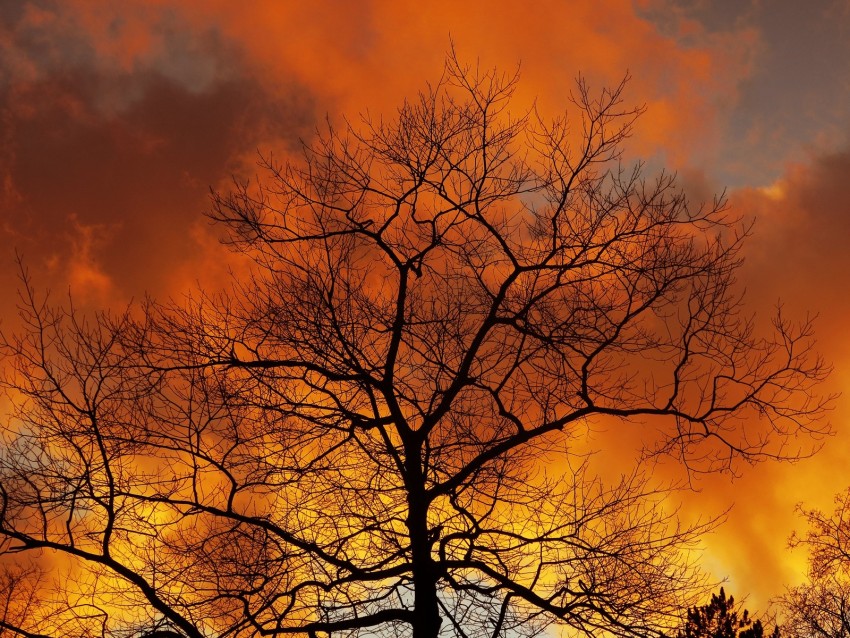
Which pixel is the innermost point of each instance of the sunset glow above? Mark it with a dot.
(118, 118)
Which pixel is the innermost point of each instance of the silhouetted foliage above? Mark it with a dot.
(354, 438)
(722, 619)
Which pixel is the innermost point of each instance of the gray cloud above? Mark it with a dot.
(797, 96)
(128, 152)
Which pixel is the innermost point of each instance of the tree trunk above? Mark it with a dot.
(426, 611)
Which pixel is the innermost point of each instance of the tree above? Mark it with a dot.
(354, 437)
(820, 608)
(721, 619)
(18, 598)
(827, 539)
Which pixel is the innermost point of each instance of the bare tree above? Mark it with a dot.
(19, 598)
(828, 538)
(820, 608)
(378, 429)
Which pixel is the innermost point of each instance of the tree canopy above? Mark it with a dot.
(351, 439)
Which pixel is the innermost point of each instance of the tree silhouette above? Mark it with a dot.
(18, 598)
(820, 608)
(721, 619)
(359, 436)
(828, 538)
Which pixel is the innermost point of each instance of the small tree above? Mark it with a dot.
(827, 539)
(353, 438)
(820, 608)
(721, 619)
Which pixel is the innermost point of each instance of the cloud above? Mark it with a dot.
(795, 94)
(132, 144)
(124, 114)
(799, 249)
(798, 256)
(85, 275)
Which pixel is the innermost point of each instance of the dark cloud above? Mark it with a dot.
(799, 251)
(128, 156)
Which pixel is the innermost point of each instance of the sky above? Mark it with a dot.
(117, 118)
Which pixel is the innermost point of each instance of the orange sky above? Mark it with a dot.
(117, 117)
